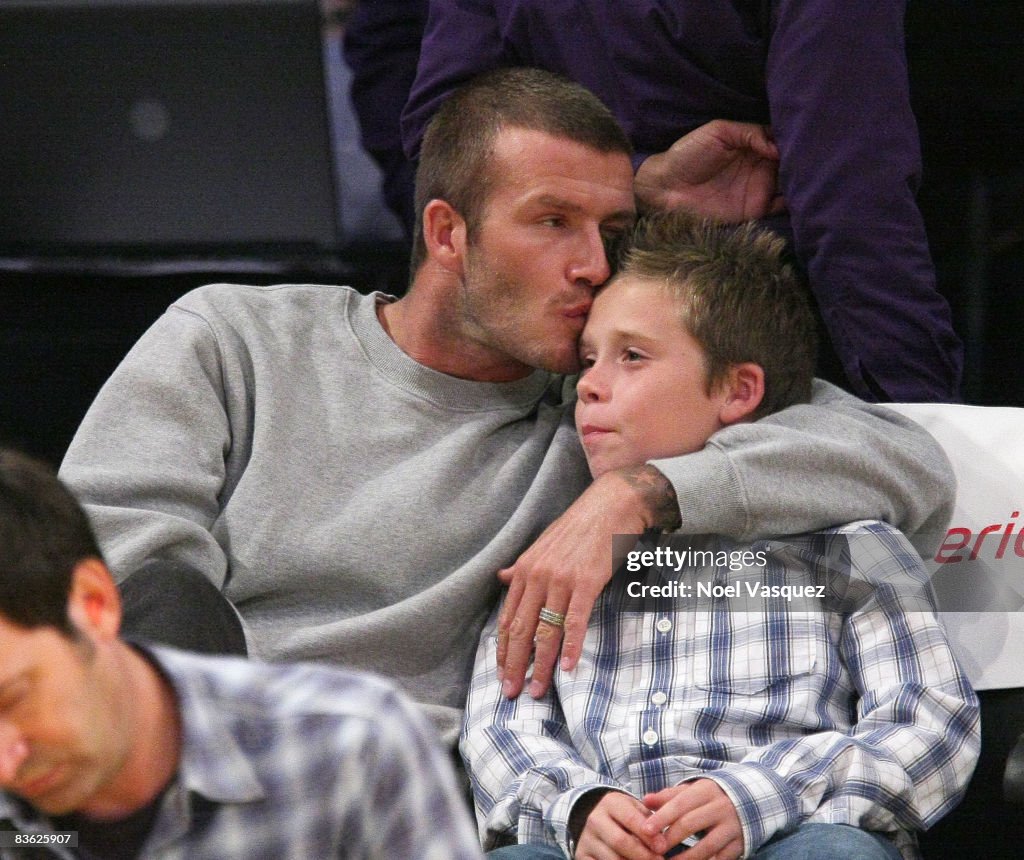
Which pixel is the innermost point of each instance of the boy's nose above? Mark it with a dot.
(590, 386)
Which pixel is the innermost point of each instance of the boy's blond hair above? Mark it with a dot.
(737, 297)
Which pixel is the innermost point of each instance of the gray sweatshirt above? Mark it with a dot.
(355, 505)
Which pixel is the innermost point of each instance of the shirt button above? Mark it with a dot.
(650, 737)
(663, 625)
(659, 698)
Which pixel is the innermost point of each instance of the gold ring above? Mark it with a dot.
(549, 616)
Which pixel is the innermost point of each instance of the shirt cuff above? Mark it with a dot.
(711, 498)
(559, 813)
(764, 802)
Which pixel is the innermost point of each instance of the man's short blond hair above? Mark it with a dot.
(456, 159)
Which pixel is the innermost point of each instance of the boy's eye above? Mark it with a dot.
(586, 362)
(632, 355)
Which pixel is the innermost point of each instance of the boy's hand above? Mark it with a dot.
(693, 807)
(614, 831)
(566, 568)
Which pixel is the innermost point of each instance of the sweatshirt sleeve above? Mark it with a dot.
(149, 460)
(850, 166)
(833, 460)
(462, 39)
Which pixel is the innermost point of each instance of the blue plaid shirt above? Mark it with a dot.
(850, 713)
(296, 762)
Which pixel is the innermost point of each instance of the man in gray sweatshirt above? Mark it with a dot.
(350, 472)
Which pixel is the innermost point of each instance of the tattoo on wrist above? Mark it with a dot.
(658, 494)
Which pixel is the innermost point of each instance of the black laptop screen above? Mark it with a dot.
(164, 124)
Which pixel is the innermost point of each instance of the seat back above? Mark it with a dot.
(978, 570)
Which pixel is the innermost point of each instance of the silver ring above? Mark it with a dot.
(549, 616)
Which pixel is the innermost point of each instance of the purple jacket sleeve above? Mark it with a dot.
(461, 40)
(382, 46)
(837, 86)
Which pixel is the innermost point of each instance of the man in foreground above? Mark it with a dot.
(147, 752)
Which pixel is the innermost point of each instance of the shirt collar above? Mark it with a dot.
(213, 763)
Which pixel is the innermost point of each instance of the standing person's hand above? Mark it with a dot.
(724, 170)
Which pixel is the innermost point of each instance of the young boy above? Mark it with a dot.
(809, 728)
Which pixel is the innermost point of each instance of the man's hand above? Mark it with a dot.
(614, 830)
(724, 170)
(692, 807)
(567, 567)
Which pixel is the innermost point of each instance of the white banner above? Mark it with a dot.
(979, 568)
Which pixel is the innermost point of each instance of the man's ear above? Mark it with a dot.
(744, 391)
(444, 232)
(94, 603)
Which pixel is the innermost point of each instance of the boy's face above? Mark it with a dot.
(641, 394)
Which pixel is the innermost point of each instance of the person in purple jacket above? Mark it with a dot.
(828, 77)
(723, 169)
(382, 46)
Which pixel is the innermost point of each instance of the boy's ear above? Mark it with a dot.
(744, 391)
(94, 603)
(444, 233)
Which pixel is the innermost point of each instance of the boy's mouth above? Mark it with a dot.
(592, 432)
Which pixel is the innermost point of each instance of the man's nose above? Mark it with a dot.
(13, 752)
(591, 265)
